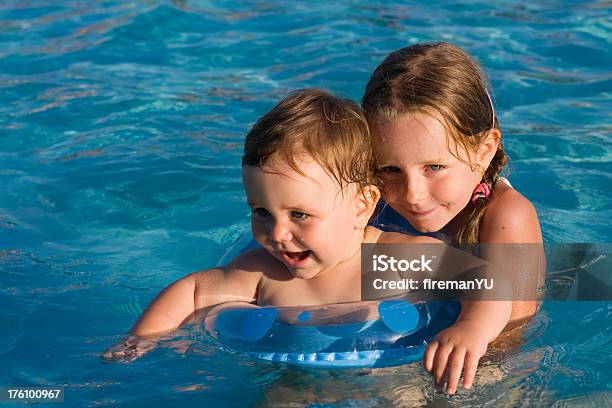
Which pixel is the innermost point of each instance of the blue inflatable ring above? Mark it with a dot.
(330, 336)
(362, 334)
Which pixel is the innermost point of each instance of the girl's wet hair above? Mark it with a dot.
(331, 130)
(443, 81)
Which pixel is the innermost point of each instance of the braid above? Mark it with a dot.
(469, 233)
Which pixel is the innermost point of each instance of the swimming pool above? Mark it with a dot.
(121, 129)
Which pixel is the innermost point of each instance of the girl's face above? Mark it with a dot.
(423, 180)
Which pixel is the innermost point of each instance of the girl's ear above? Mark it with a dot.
(487, 149)
(366, 199)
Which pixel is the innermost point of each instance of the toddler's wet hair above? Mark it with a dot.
(331, 130)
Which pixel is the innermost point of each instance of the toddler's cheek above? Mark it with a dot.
(258, 232)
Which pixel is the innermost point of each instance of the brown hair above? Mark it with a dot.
(333, 131)
(441, 79)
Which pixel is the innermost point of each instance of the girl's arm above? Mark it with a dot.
(460, 347)
(511, 218)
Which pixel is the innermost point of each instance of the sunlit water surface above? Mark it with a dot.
(121, 125)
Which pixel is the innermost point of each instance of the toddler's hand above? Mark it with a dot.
(130, 349)
(457, 348)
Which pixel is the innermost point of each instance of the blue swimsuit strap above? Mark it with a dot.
(387, 219)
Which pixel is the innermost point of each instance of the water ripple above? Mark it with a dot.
(122, 125)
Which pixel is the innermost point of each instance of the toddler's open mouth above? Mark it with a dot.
(295, 259)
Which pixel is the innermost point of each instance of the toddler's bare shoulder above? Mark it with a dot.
(239, 279)
(258, 263)
(250, 262)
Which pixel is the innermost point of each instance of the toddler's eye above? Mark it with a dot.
(260, 212)
(298, 215)
(390, 170)
(435, 167)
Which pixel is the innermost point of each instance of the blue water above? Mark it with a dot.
(121, 125)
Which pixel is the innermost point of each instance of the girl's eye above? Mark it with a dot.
(390, 170)
(298, 215)
(260, 212)
(435, 167)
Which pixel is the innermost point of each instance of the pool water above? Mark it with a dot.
(121, 126)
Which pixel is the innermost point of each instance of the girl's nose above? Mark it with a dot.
(279, 232)
(415, 191)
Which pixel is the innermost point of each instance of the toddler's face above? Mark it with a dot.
(305, 221)
(423, 181)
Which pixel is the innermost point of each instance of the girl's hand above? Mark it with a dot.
(456, 349)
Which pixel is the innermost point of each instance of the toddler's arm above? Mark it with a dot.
(180, 302)
(169, 310)
(172, 308)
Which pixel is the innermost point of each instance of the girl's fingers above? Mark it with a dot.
(455, 366)
(440, 361)
(471, 363)
(430, 353)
